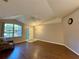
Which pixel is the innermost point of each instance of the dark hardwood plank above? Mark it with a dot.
(39, 50)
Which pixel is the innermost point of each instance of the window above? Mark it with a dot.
(17, 31)
(12, 30)
(8, 30)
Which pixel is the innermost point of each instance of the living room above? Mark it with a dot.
(39, 29)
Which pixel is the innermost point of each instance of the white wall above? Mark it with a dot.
(71, 32)
(61, 32)
(50, 33)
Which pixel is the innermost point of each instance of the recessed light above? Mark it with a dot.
(6, 0)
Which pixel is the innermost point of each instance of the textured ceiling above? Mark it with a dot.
(63, 7)
(38, 8)
(41, 9)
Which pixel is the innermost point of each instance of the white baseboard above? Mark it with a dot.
(52, 42)
(32, 40)
(72, 50)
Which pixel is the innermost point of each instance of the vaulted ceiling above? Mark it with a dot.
(41, 9)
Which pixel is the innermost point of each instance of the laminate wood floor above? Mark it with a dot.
(38, 50)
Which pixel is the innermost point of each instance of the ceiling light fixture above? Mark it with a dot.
(6, 0)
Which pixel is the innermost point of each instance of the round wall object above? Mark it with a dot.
(70, 21)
